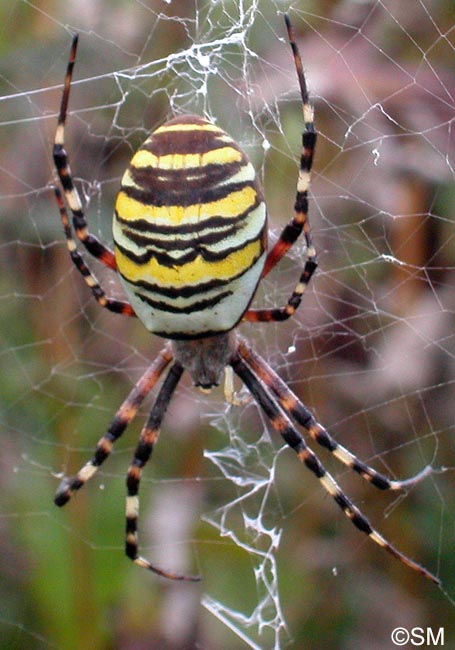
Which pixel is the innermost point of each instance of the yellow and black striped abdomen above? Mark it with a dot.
(190, 230)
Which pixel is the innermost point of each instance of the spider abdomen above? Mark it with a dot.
(190, 230)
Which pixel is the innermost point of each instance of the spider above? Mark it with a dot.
(190, 248)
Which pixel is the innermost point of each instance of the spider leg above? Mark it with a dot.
(122, 418)
(117, 306)
(282, 424)
(148, 438)
(299, 222)
(291, 405)
(61, 161)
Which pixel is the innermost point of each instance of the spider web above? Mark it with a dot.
(371, 350)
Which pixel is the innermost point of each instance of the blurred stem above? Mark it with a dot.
(409, 238)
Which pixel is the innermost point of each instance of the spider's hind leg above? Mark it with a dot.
(62, 165)
(299, 222)
(116, 306)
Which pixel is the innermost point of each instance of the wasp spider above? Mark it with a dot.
(190, 247)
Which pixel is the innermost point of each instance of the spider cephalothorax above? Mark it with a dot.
(190, 237)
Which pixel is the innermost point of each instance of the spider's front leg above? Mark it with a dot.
(277, 409)
(148, 438)
(122, 418)
(291, 404)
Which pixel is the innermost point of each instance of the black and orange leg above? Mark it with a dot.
(148, 438)
(299, 223)
(282, 425)
(61, 161)
(117, 306)
(123, 417)
(293, 407)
